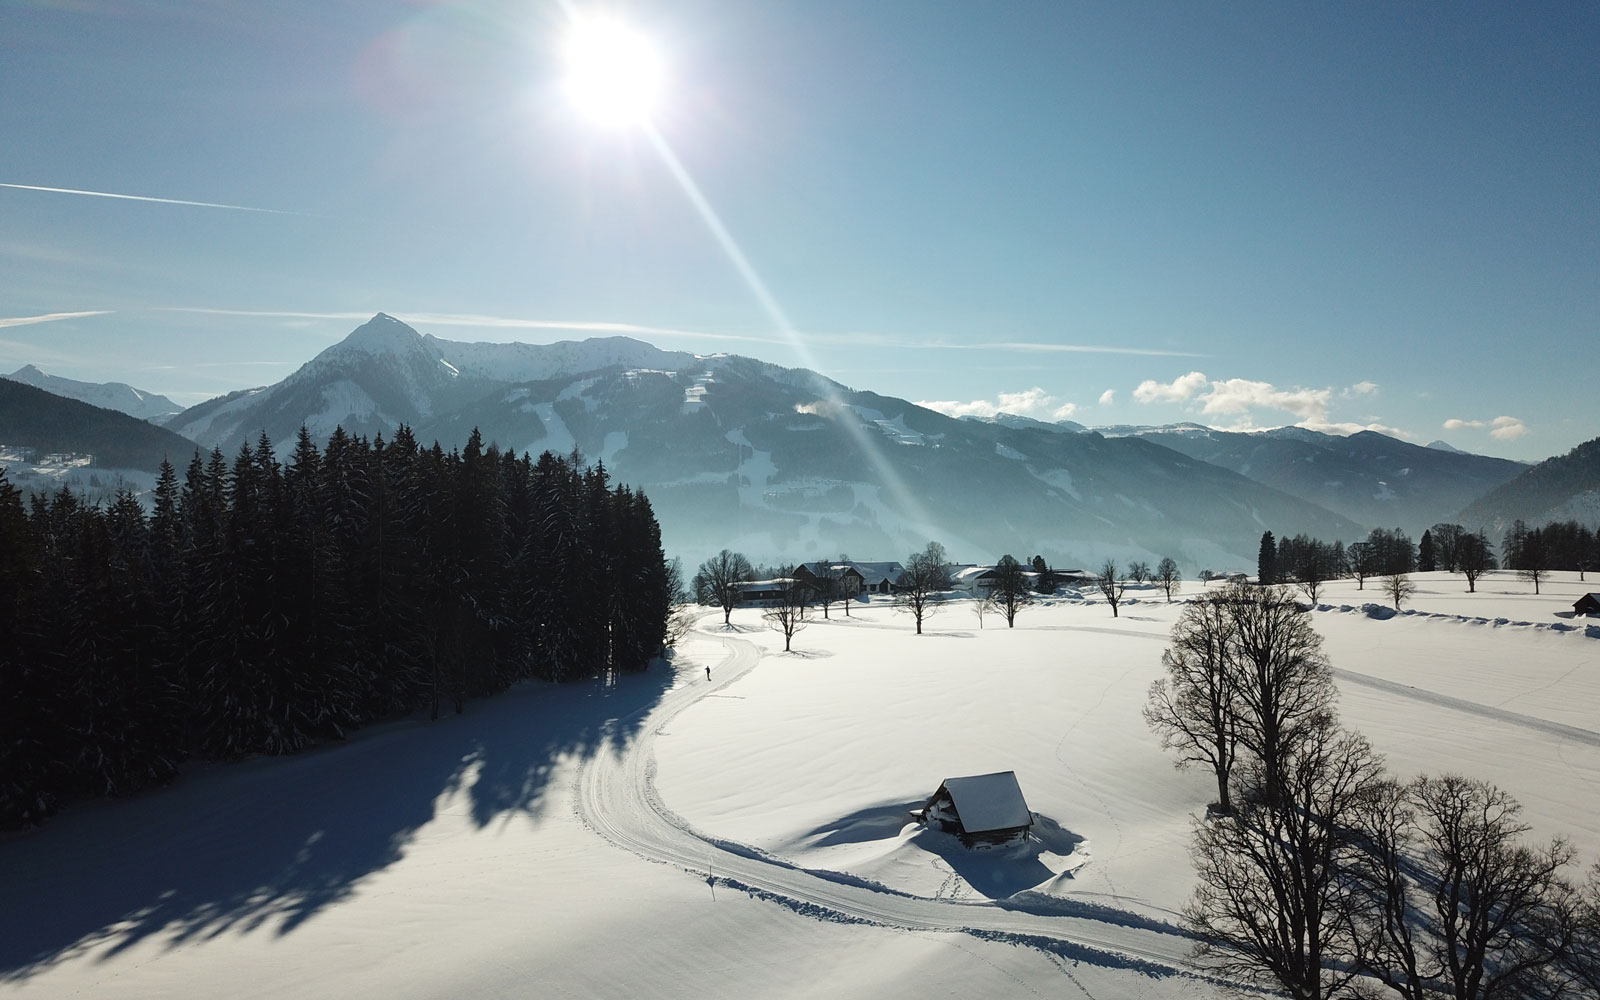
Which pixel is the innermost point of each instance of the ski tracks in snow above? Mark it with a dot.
(615, 795)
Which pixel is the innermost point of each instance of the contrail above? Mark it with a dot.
(49, 317)
(140, 197)
(479, 320)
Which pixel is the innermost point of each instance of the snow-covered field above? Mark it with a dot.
(746, 835)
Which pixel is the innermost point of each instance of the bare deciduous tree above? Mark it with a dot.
(1273, 904)
(1011, 592)
(1193, 709)
(1168, 576)
(1583, 963)
(827, 588)
(918, 586)
(1398, 588)
(681, 618)
(1285, 683)
(1459, 907)
(982, 604)
(1139, 571)
(1475, 557)
(790, 604)
(1361, 562)
(718, 579)
(1111, 585)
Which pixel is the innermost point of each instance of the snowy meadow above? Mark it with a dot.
(747, 833)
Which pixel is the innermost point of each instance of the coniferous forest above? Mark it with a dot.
(260, 607)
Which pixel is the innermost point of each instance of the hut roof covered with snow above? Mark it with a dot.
(987, 807)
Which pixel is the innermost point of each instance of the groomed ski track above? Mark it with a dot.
(616, 797)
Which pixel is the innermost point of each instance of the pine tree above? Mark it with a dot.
(29, 702)
(1267, 561)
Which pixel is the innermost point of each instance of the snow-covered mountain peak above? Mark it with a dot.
(108, 395)
(382, 334)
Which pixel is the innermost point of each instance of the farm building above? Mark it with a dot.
(979, 808)
(1588, 604)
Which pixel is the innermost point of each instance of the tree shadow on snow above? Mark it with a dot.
(268, 843)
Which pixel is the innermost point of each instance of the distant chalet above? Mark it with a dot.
(1588, 604)
(979, 809)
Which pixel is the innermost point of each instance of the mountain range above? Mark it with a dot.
(45, 422)
(786, 465)
(108, 395)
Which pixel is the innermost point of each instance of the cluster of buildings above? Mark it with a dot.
(854, 579)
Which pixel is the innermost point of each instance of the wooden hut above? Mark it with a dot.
(979, 809)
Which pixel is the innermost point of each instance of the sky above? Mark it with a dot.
(1340, 215)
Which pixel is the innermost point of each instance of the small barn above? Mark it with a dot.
(979, 809)
(1588, 604)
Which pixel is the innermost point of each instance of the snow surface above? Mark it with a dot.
(748, 835)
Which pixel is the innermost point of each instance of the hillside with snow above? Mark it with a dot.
(780, 463)
(747, 834)
(117, 396)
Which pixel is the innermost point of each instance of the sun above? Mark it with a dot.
(614, 74)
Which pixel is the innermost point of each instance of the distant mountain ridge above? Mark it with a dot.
(385, 374)
(781, 463)
(33, 418)
(1566, 487)
(108, 395)
(1368, 477)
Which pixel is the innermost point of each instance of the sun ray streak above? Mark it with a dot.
(870, 449)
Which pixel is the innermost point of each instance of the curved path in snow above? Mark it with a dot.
(617, 798)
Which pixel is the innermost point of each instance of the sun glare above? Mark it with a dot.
(614, 74)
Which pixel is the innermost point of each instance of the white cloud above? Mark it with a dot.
(1508, 429)
(50, 317)
(1035, 403)
(1240, 399)
(1179, 390)
(1346, 428)
(1108, 397)
(1235, 396)
(1501, 428)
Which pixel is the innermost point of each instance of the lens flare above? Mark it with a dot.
(614, 74)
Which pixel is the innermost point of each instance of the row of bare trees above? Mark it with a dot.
(1324, 875)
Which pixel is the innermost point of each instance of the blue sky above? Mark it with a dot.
(1343, 214)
